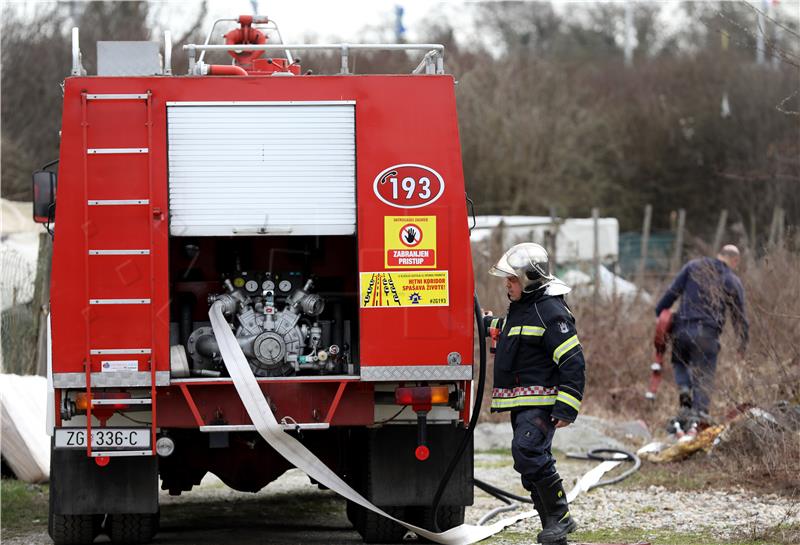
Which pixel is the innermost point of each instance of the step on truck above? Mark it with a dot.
(327, 211)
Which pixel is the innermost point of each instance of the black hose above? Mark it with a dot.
(476, 413)
(594, 454)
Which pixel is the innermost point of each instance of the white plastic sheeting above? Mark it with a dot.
(26, 444)
(574, 237)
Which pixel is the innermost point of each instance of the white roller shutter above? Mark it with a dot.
(248, 168)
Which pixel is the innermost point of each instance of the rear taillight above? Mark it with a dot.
(422, 397)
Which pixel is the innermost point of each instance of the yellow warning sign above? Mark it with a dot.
(404, 289)
(409, 242)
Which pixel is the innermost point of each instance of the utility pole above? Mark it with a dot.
(760, 35)
(629, 33)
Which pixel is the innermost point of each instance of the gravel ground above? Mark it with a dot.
(722, 513)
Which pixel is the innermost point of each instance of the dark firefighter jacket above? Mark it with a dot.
(538, 359)
(707, 287)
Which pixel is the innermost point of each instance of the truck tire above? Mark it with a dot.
(352, 513)
(132, 528)
(73, 529)
(375, 528)
(449, 516)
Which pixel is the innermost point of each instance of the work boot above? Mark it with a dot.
(539, 506)
(557, 521)
(685, 398)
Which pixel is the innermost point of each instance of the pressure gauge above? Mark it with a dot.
(238, 282)
(285, 286)
(268, 285)
(251, 286)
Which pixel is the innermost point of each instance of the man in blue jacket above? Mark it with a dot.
(707, 288)
(538, 377)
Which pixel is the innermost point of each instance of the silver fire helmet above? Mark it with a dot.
(528, 262)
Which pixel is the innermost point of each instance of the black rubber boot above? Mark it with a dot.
(539, 506)
(685, 398)
(558, 521)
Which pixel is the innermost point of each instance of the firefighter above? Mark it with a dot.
(538, 377)
(706, 287)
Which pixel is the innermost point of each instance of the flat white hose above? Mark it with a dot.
(297, 454)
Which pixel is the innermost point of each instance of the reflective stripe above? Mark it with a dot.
(572, 401)
(565, 347)
(528, 330)
(494, 323)
(522, 401)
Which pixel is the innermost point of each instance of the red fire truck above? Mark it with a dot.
(327, 210)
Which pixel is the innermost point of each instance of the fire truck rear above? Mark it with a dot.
(326, 213)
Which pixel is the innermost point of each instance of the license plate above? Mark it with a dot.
(111, 438)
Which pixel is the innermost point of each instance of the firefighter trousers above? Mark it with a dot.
(694, 358)
(530, 447)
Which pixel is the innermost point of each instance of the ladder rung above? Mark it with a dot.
(120, 96)
(119, 301)
(110, 151)
(101, 351)
(250, 427)
(120, 453)
(123, 401)
(119, 252)
(118, 202)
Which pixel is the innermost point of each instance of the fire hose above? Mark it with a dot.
(298, 454)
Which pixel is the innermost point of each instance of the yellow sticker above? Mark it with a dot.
(409, 242)
(404, 289)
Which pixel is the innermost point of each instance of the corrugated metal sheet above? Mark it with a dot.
(262, 168)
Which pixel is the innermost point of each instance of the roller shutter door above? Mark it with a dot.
(250, 168)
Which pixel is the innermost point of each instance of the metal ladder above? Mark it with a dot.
(98, 254)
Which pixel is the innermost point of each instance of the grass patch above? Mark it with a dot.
(782, 536)
(690, 474)
(24, 506)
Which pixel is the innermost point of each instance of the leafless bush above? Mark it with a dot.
(617, 338)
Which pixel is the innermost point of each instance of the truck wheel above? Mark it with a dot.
(132, 528)
(72, 529)
(375, 528)
(449, 516)
(352, 513)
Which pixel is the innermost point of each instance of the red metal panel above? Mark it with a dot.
(305, 402)
(399, 119)
(116, 176)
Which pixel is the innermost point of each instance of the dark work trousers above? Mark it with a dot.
(694, 357)
(533, 437)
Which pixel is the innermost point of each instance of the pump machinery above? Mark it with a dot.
(324, 216)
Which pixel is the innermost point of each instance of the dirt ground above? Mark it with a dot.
(660, 505)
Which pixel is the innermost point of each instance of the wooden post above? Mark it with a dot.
(677, 252)
(773, 227)
(721, 224)
(552, 240)
(648, 215)
(596, 258)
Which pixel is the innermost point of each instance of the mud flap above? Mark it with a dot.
(78, 486)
